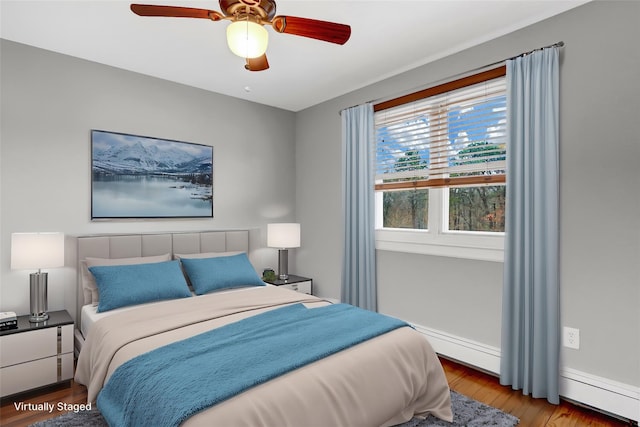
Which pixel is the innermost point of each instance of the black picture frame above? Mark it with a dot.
(141, 177)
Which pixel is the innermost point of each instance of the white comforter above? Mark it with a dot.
(381, 382)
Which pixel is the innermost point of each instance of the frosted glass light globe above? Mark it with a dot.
(247, 39)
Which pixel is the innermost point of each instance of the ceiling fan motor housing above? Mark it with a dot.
(264, 9)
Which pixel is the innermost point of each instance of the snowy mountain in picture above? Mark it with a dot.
(128, 154)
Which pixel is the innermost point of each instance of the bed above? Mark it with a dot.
(382, 377)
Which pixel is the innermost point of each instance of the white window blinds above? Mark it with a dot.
(453, 135)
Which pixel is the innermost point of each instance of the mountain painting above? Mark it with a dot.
(142, 177)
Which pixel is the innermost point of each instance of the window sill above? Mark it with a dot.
(477, 246)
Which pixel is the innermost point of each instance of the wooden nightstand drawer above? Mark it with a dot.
(304, 287)
(25, 376)
(18, 348)
(65, 365)
(66, 339)
(295, 283)
(36, 354)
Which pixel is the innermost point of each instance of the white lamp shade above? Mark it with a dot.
(37, 250)
(283, 235)
(247, 39)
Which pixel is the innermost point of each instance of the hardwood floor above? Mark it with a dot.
(531, 412)
(470, 382)
(70, 394)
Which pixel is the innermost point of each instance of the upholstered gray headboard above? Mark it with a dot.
(137, 245)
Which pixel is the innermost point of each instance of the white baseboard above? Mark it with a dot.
(619, 399)
(602, 393)
(467, 351)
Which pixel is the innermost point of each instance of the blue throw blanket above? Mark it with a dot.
(168, 385)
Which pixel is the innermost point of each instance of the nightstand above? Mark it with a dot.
(36, 354)
(295, 283)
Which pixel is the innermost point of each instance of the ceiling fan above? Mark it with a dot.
(246, 34)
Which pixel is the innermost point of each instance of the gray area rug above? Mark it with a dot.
(466, 413)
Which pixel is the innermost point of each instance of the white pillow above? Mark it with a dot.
(207, 254)
(89, 286)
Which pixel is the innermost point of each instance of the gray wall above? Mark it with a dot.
(286, 166)
(599, 235)
(50, 102)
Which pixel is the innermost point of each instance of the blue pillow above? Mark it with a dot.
(210, 274)
(124, 285)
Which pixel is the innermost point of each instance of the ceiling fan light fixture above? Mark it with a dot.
(247, 36)
(247, 39)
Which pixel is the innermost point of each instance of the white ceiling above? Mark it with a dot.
(387, 37)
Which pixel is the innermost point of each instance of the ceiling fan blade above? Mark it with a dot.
(175, 12)
(257, 64)
(312, 28)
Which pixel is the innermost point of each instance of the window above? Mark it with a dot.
(440, 166)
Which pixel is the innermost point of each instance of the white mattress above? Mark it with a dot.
(89, 314)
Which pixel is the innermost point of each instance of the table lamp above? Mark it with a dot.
(37, 251)
(283, 236)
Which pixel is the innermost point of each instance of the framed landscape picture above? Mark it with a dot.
(142, 177)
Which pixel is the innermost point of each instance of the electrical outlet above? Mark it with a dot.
(571, 337)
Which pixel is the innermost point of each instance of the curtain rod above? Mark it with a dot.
(557, 44)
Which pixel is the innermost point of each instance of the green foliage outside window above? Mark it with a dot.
(477, 208)
(406, 209)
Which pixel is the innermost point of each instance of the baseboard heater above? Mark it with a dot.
(601, 394)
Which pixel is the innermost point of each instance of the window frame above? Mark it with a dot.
(437, 240)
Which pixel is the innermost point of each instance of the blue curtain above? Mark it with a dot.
(358, 266)
(530, 299)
